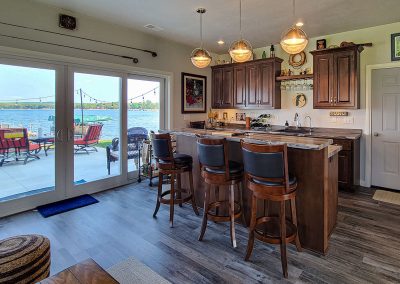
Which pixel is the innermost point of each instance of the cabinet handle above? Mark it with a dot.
(331, 101)
(334, 100)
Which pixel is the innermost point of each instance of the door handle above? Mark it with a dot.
(60, 136)
(376, 134)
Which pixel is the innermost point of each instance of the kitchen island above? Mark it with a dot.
(314, 162)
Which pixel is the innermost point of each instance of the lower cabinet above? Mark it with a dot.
(348, 162)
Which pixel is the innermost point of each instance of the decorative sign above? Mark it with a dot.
(300, 100)
(194, 93)
(395, 43)
(339, 113)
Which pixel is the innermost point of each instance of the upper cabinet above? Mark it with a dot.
(337, 77)
(249, 85)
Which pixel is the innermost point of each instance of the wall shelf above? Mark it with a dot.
(294, 77)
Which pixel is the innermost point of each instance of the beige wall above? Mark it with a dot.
(172, 57)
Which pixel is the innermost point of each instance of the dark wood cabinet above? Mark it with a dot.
(349, 162)
(337, 77)
(252, 83)
(222, 86)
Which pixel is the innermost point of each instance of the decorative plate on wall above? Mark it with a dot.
(300, 100)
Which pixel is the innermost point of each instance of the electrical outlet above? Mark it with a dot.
(349, 120)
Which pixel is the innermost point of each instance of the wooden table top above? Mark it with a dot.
(85, 272)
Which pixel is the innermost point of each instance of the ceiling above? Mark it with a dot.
(263, 21)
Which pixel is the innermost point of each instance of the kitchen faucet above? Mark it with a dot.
(297, 120)
(310, 122)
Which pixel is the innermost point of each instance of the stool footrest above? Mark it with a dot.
(271, 231)
(223, 218)
(176, 200)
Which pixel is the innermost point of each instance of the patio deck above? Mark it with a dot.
(39, 175)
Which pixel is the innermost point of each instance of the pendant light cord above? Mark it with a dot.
(201, 30)
(240, 19)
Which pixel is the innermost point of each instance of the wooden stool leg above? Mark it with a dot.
(253, 220)
(205, 212)
(160, 182)
(171, 201)
(179, 188)
(232, 214)
(283, 239)
(196, 211)
(294, 220)
(240, 189)
(216, 192)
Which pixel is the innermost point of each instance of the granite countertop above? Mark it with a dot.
(263, 137)
(333, 150)
(317, 132)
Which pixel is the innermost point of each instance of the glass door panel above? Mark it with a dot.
(143, 117)
(27, 131)
(96, 127)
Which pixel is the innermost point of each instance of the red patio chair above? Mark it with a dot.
(90, 139)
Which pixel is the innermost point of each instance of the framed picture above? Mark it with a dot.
(395, 47)
(321, 44)
(194, 93)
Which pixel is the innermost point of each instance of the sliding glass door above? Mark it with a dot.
(67, 130)
(95, 119)
(32, 134)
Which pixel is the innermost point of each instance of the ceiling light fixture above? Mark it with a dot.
(241, 50)
(221, 42)
(294, 40)
(201, 57)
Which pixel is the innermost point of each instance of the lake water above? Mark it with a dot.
(35, 119)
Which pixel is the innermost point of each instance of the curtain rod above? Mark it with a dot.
(153, 53)
(134, 59)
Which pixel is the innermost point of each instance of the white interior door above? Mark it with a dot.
(386, 128)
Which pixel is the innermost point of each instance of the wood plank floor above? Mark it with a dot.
(364, 247)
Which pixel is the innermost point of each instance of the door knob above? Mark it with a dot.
(376, 134)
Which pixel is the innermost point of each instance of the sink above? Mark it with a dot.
(293, 131)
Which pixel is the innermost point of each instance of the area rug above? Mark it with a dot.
(66, 205)
(387, 196)
(132, 271)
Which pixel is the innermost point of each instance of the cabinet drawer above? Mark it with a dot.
(346, 144)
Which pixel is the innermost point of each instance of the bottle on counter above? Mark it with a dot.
(248, 122)
(286, 124)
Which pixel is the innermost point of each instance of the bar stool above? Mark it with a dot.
(217, 171)
(266, 172)
(174, 165)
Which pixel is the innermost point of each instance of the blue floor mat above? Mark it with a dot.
(66, 205)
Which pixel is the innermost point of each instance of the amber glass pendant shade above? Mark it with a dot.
(241, 50)
(294, 40)
(200, 58)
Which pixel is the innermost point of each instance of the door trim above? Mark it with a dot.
(368, 118)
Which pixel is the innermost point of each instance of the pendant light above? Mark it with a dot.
(294, 40)
(201, 57)
(241, 50)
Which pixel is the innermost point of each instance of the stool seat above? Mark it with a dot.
(24, 259)
(183, 159)
(234, 168)
(292, 181)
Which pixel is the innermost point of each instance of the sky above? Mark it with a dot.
(18, 83)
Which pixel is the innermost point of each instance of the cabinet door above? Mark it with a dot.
(266, 84)
(239, 87)
(345, 169)
(345, 79)
(252, 87)
(217, 81)
(323, 80)
(227, 88)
